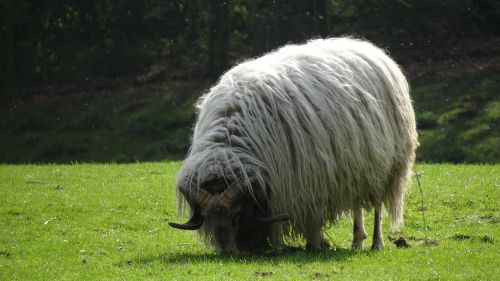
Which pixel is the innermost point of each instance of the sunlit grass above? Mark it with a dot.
(109, 221)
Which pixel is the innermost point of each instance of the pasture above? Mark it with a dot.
(109, 222)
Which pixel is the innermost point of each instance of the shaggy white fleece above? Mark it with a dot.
(315, 130)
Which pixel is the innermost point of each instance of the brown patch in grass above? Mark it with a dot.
(264, 273)
(400, 242)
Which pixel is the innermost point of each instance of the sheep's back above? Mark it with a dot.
(327, 121)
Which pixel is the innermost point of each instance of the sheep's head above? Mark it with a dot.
(221, 213)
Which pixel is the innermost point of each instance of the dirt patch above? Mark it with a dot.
(400, 242)
(463, 237)
(264, 273)
(5, 254)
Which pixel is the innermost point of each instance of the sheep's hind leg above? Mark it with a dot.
(358, 231)
(378, 242)
(315, 240)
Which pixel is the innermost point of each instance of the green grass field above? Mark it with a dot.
(109, 222)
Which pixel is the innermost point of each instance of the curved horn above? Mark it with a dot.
(194, 223)
(231, 195)
(200, 196)
(273, 219)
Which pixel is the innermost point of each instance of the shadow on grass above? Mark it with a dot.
(290, 255)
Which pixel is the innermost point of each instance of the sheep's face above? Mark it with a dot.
(219, 207)
(222, 220)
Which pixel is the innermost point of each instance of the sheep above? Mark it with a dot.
(287, 143)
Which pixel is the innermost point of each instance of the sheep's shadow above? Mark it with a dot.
(290, 255)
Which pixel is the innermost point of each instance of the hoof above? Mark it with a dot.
(378, 246)
(357, 242)
(323, 245)
(357, 245)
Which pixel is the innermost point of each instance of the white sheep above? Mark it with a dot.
(303, 134)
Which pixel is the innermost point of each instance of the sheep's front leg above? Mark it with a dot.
(378, 242)
(315, 240)
(276, 239)
(358, 231)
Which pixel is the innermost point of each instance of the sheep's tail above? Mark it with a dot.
(395, 208)
(395, 199)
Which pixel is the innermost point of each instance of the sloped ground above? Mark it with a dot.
(456, 94)
(150, 122)
(459, 119)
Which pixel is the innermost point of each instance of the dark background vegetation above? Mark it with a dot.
(115, 81)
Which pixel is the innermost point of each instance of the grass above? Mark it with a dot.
(109, 222)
